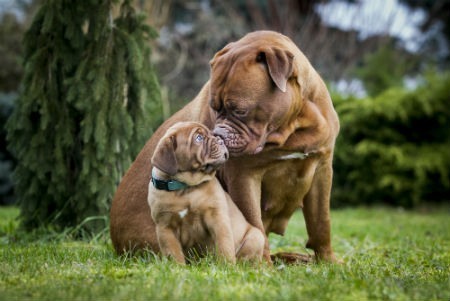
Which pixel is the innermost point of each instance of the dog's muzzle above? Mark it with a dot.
(233, 140)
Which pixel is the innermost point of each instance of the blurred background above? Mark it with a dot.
(344, 40)
(384, 61)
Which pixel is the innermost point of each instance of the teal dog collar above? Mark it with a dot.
(168, 185)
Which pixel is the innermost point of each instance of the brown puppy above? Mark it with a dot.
(191, 210)
(276, 117)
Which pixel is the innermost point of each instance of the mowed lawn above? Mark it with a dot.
(388, 254)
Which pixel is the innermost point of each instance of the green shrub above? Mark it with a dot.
(6, 160)
(89, 102)
(395, 148)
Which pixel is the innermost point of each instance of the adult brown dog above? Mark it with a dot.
(192, 212)
(276, 117)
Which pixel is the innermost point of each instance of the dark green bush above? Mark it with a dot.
(394, 148)
(89, 101)
(6, 160)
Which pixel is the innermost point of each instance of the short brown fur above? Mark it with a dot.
(202, 217)
(276, 117)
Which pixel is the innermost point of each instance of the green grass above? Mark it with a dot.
(389, 255)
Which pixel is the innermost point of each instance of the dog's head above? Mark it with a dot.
(190, 153)
(255, 89)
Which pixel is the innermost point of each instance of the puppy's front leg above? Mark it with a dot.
(219, 226)
(169, 244)
(245, 191)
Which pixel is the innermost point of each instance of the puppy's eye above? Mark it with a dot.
(199, 138)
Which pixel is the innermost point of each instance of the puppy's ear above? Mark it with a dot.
(164, 157)
(279, 62)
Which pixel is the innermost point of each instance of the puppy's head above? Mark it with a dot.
(189, 152)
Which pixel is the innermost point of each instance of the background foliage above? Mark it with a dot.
(394, 148)
(11, 71)
(89, 94)
(192, 31)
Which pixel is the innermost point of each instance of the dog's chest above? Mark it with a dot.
(191, 229)
(283, 189)
(289, 179)
(183, 213)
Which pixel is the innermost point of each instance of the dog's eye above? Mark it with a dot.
(240, 113)
(199, 138)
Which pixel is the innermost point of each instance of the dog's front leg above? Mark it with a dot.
(316, 210)
(169, 244)
(219, 226)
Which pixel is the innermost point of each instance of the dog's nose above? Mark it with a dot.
(220, 131)
(219, 140)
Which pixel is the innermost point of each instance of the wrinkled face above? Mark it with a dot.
(189, 147)
(251, 93)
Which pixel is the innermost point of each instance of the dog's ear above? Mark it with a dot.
(164, 157)
(279, 62)
(221, 52)
(221, 67)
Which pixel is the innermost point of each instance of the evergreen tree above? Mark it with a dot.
(88, 103)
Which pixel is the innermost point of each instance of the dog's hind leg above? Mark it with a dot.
(252, 245)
